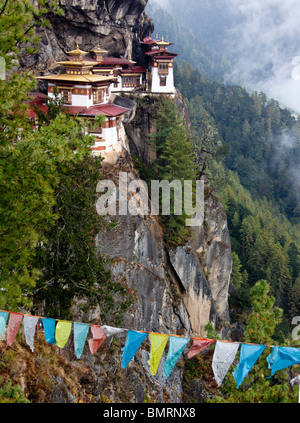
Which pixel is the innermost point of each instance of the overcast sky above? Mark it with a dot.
(268, 34)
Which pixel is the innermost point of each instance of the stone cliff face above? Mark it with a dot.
(202, 267)
(117, 25)
(176, 291)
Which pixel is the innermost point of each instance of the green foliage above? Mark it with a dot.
(265, 244)
(261, 139)
(175, 160)
(30, 163)
(236, 274)
(190, 48)
(71, 266)
(257, 387)
(48, 183)
(30, 159)
(10, 393)
(18, 22)
(264, 316)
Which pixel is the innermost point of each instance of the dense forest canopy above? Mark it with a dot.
(259, 40)
(245, 135)
(247, 146)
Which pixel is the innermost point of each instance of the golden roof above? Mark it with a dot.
(98, 50)
(77, 53)
(162, 42)
(76, 63)
(77, 78)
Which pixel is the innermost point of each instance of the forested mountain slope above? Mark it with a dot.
(249, 147)
(188, 44)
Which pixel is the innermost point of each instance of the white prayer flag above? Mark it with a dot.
(29, 324)
(223, 358)
(110, 331)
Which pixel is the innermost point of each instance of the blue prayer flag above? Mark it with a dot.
(282, 357)
(248, 357)
(132, 344)
(49, 329)
(3, 319)
(80, 333)
(176, 347)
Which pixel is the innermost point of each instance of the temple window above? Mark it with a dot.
(98, 96)
(163, 68)
(130, 81)
(163, 81)
(66, 95)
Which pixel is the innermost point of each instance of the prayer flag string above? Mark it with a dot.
(57, 332)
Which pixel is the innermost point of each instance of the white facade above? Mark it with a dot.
(156, 82)
(115, 89)
(82, 95)
(122, 87)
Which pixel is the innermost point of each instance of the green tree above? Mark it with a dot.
(294, 260)
(11, 394)
(175, 161)
(29, 159)
(236, 275)
(19, 20)
(71, 265)
(294, 299)
(257, 387)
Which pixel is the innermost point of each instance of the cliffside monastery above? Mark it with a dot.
(91, 80)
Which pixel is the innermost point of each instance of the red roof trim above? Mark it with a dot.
(109, 110)
(99, 148)
(137, 69)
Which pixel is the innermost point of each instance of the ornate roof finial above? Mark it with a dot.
(77, 54)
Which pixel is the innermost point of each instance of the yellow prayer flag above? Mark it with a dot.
(158, 344)
(62, 333)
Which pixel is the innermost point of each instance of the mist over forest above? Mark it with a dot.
(259, 39)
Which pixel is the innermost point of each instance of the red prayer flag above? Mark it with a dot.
(198, 346)
(14, 322)
(99, 337)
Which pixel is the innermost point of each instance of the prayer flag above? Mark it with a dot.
(99, 337)
(176, 347)
(158, 344)
(3, 319)
(62, 332)
(14, 322)
(198, 346)
(224, 355)
(132, 344)
(80, 333)
(282, 357)
(110, 331)
(49, 329)
(248, 357)
(29, 324)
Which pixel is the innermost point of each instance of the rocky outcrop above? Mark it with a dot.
(203, 265)
(117, 25)
(175, 291)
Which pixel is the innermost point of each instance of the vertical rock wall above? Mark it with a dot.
(118, 25)
(176, 291)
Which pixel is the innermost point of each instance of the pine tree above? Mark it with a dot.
(175, 161)
(29, 159)
(236, 275)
